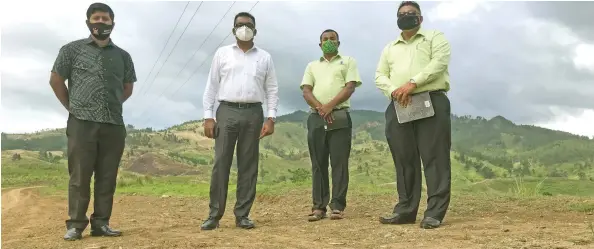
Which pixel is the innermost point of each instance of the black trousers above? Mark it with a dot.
(428, 140)
(336, 146)
(92, 148)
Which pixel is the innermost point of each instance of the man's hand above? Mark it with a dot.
(402, 94)
(267, 129)
(209, 125)
(325, 112)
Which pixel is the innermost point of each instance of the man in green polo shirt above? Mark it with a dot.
(417, 62)
(327, 85)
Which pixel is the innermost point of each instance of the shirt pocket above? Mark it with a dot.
(258, 69)
(423, 52)
(339, 73)
(83, 65)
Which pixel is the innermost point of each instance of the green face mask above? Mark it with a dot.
(329, 47)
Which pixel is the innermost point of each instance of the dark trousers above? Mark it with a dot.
(428, 139)
(241, 127)
(336, 146)
(92, 148)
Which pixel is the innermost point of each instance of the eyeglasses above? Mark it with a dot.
(410, 13)
(249, 25)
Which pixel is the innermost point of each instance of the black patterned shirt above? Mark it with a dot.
(96, 77)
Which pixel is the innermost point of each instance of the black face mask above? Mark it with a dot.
(408, 22)
(103, 30)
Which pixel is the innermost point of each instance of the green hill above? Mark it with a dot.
(482, 149)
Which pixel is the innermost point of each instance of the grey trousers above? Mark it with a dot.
(428, 139)
(336, 146)
(239, 126)
(92, 148)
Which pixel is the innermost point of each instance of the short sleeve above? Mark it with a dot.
(308, 79)
(352, 74)
(129, 71)
(63, 63)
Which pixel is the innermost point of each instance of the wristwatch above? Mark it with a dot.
(273, 119)
(412, 81)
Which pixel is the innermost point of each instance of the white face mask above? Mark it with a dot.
(244, 33)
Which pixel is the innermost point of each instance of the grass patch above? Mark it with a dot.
(521, 189)
(582, 207)
(30, 171)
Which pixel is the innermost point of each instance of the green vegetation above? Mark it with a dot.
(490, 156)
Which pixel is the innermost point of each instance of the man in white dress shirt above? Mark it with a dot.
(241, 78)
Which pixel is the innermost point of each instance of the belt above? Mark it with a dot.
(335, 109)
(240, 105)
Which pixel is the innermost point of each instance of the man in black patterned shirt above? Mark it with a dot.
(100, 78)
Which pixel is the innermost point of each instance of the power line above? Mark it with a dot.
(162, 50)
(142, 113)
(196, 70)
(175, 45)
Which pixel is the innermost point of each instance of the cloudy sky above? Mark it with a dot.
(531, 62)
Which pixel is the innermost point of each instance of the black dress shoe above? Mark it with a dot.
(245, 223)
(104, 230)
(210, 224)
(397, 219)
(430, 223)
(73, 234)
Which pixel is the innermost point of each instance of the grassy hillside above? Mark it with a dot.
(482, 149)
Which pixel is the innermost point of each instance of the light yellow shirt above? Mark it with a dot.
(328, 78)
(424, 58)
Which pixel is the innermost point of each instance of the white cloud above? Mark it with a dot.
(449, 10)
(24, 120)
(584, 57)
(21, 66)
(582, 124)
(543, 30)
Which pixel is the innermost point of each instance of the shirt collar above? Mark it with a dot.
(322, 59)
(422, 32)
(90, 40)
(253, 47)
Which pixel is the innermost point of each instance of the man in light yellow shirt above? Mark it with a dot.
(414, 63)
(327, 85)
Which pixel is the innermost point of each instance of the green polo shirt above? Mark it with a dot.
(424, 58)
(328, 78)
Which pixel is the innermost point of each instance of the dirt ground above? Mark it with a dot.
(149, 164)
(33, 221)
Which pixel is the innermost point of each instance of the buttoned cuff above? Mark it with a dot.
(271, 114)
(208, 114)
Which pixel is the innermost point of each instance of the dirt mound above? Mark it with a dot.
(31, 221)
(16, 197)
(155, 165)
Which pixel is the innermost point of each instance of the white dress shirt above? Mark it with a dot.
(241, 77)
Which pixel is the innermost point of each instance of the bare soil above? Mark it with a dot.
(149, 164)
(30, 220)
